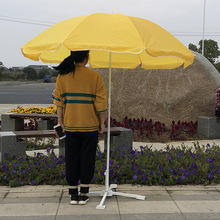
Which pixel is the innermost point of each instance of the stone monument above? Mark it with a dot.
(164, 95)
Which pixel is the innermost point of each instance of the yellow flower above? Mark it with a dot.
(49, 110)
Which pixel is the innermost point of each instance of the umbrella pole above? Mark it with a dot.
(109, 125)
(109, 189)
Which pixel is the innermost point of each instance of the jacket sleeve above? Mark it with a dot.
(101, 97)
(57, 94)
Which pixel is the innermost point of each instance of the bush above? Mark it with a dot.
(53, 79)
(13, 75)
(33, 171)
(182, 165)
(30, 73)
(42, 74)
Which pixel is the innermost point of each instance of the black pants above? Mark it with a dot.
(80, 153)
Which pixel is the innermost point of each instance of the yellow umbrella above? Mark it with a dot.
(132, 41)
(114, 40)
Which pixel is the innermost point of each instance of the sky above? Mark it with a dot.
(22, 20)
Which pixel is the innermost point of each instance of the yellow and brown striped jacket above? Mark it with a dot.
(82, 97)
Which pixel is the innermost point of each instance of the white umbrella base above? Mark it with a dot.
(109, 192)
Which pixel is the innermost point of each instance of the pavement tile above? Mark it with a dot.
(22, 189)
(95, 187)
(218, 187)
(194, 192)
(195, 195)
(28, 209)
(4, 188)
(190, 188)
(139, 187)
(34, 194)
(50, 187)
(28, 217)
(94, 194)
(90, 208)
(151, 216)
(89, 217)
(150, 196)
(146, 192)
(65, 188)
(141, 207)
(202, 216)
(201, 206)
(92, 199)
(3, 194)
(41, 200)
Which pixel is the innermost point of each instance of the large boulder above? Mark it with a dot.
(164, 95)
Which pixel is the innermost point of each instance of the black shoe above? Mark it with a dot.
(74, 199)
(83, 200)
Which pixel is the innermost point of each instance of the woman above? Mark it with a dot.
(80, 97)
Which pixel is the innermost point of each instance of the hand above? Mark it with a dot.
(63, 129)
(102, 128)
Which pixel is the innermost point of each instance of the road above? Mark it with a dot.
(31, 93)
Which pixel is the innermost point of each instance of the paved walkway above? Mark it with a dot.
(136, 145)
(52, 203)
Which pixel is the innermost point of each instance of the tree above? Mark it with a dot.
(211, 49)
(41, 74)
(193, 47)
(54, 73)
(217, 66)
(1, 69)
(30, 73)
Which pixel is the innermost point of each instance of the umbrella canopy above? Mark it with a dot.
(132, 41)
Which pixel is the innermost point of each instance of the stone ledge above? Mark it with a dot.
(209, 127)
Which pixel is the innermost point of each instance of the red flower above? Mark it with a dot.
(177, 127)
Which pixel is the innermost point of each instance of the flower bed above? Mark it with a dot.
(150, 131)
(32, 124)
(143, 129)
(35, 110)
(182, 165)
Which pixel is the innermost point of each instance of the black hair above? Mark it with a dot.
(68, 64)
